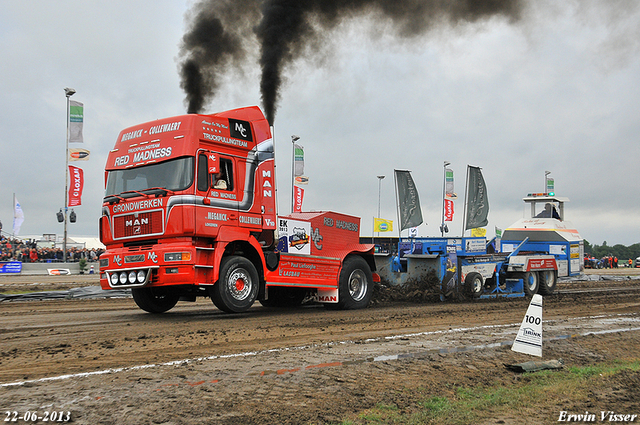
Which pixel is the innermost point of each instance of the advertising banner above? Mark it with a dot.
(298, 197)
(448, 210)
(382, 225)
(478, 206)
(75, 186)
(408, 200)
(18, 216)
(295, 236)
(76, 118)
(10, 267)
(78, 154)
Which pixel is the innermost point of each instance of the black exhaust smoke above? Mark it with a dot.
(222, 31)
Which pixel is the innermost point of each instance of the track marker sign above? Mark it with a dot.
(529, 338)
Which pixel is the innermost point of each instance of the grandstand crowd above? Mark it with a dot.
(28, 251)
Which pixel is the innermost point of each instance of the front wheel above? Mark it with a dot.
(155, 300)
(548, 282)
(237, 287)
(355, 284)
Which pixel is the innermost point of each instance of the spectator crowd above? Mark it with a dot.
(606, 262)
(13, 249)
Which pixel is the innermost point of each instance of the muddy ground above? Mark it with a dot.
(107, 362)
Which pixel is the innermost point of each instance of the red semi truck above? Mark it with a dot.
(190, 210)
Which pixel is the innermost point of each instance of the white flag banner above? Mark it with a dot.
(298, 160)
(76, 118)
(18, 217)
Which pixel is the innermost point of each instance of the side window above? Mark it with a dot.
(223, 179)
(203, 173)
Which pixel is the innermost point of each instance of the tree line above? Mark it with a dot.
(618, 250)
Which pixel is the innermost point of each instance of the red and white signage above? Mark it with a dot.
(448, 210)
(76, 184)
(298, 195)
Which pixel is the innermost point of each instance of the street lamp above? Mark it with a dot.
(68, 93)
(443, 226)
(379, 187)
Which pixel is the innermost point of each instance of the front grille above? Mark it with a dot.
(138, 224)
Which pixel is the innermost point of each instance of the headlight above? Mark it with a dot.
(114, 278)
(141, 276)
(132, 277)
(123, 278)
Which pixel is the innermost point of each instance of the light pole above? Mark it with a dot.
(68, 92)
(379, 188)
(294, 139)
(444, 186)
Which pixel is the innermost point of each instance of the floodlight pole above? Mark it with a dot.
(294, 139)
(68, 93)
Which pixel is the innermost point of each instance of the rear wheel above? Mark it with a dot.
(474, 285)
(355, 284)
(531, 282)
(548, 282)
(155, 300)
(237, 286)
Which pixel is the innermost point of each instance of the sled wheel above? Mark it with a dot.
(155, 300)
(548, 282)
(474, 284)
(355, 284)
(237, 286)
(531, 282)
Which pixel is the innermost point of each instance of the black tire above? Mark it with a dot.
(474, 285)
(237, 287)
(355, 284)
(284, 297)
(531, 282)
(155, 300)
(548, 282)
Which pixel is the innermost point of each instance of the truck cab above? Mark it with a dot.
(548, 231)
(190, 210)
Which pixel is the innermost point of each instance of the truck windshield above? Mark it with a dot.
(173, 175)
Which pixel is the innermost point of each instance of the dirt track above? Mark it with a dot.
(198, 365)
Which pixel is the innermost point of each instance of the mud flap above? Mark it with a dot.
(328, 296)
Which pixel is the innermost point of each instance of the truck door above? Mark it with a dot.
(217, 184)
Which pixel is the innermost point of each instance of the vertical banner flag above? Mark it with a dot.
(448, 210)
(550, 185)
(18, 216)
(449, 193)
(298, 160)
(298, 197)
(75, 186)
(76, 117)
(408, 200)
(382, 225)
(478, 206)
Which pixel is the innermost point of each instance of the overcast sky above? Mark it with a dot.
(558, 91)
